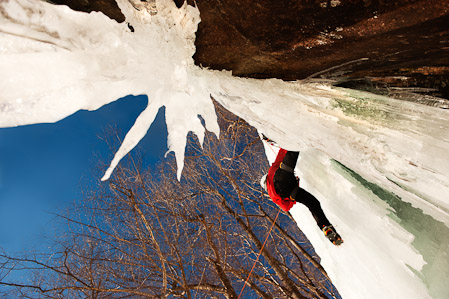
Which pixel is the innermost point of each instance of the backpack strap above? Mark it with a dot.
(293, 193)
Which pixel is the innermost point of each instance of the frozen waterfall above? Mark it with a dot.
(379, 166)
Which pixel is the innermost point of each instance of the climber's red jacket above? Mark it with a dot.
(285, 203)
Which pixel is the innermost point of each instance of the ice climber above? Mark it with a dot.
(283, 188)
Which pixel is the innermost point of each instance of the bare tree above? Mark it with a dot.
(144, 234)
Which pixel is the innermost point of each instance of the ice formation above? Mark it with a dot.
(367, 158)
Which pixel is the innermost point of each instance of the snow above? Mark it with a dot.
(55, 61)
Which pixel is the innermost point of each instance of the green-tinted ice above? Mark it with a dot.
(431, 236)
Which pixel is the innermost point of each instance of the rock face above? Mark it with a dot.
(108, 7)
(394, 47)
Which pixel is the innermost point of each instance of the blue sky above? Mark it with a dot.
(42, 167)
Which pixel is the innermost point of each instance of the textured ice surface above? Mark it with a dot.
(387, 195)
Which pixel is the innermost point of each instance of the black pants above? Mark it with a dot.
(286, 185)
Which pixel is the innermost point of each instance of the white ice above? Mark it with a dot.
(55, 61)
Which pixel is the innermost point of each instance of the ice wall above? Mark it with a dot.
(396, 234)
(54, 61)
